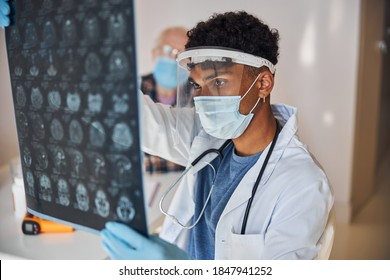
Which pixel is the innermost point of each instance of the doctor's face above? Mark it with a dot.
(225, 79)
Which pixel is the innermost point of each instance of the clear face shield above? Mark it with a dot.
(212, 72)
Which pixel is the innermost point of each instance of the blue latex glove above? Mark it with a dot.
(123, 243)
(4, 12)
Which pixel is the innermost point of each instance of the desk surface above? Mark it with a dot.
(77, 245)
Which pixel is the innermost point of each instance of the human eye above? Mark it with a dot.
(194, 85)
(219, 82)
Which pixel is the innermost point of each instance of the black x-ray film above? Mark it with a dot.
(74, 84)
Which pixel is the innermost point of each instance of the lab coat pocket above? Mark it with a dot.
(245, 246)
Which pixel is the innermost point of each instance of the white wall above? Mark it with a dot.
(317, 69)
(316, 72)
(8, 141)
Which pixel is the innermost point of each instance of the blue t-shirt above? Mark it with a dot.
(229, 172)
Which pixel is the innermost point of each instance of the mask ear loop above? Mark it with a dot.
(242, 97)
(175, 220)
(258, 99)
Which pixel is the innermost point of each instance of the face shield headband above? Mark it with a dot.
(195, 56)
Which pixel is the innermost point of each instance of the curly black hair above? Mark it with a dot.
(236, 30)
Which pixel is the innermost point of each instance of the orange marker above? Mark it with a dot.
(33, 225)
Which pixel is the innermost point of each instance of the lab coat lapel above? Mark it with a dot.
(244, 189)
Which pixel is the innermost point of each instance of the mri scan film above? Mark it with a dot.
(74, 84)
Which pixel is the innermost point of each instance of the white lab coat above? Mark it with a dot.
(289, 211)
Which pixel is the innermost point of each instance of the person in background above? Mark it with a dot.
(161, 84)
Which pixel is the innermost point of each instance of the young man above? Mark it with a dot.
(258, 196)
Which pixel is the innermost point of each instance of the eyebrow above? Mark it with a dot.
(219, 68)
(215, 74)
(209, 77)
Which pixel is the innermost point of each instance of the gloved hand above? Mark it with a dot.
(123, 243)
(4, 12)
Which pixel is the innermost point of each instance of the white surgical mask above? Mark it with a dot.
(220, 115)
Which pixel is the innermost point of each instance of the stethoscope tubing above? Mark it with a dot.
(219, 154)
(256, 185)
(193, 163)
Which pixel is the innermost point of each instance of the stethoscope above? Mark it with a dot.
(220, 155)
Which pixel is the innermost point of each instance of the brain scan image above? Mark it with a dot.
(69, 31)
(59, 160)
(97, 134)
(122, 170)
(23, 124)
(34, 70)
(91, 29)
(27, 159)
(82, 197)
(71, 63)
(120, 103)
(97, 165)
(41, 157)
(36, 98)
(56, 130)
(102, 204)
(49, 34)
(18, 70)
(38, 126)
(121, 136)
(75, 132)
(15, 39)
(95, 102)
(21, 97)
(63, 192)
(119, 65)
(30, 181)
(77, 161)
(93, 65)
(125, 209)
(117, 27)
(30, 35)
(45, 187)
(51, 70)
(54, 100)
(73, 101)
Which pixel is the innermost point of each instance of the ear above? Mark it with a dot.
(265, 83)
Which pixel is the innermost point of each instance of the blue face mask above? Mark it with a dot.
(220, 115)
(165, 72)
